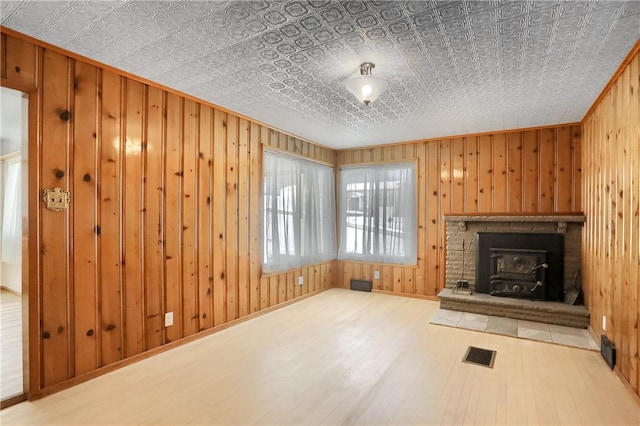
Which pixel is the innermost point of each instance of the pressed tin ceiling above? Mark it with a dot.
(453, 68)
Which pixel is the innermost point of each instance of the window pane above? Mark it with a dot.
(378, 218)
(298, 213)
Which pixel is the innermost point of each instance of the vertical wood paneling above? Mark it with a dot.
(457, 175)
(477, 173)
(445, 207)
(204, 203)
(291, 284)
(576, 171)
(564, 169)
(173, 216)
(165, 215)
(499, 186)
(634, 225)
(132, 227)
(56, 113)
(232, 218)
(421, 273)
(273, 290)
(110, 282)
(154, 200)
(485, 173)
(433, 217)
(514, 183)
(84, 224)
(190, 305)
(531, 175)
(471, 175)
(255, 228)
(611, 200)
(242, 221)
(219, 213)
(547, 167)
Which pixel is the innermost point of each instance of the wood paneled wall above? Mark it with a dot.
(611, 237)
(165, 214)
(536, 170)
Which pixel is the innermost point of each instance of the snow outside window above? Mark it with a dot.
(299, 225)
(378, 213)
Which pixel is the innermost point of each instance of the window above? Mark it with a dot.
(298, 212)
(378, 213)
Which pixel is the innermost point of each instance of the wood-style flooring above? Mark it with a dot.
(346, 357)
(10, 345)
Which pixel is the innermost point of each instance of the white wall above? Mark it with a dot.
(11, 119)
(13, 110)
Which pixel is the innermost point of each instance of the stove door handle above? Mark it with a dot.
(542, 265)
(538, 284)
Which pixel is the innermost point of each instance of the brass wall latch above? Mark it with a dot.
(56, 199)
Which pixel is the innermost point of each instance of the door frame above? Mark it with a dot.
(30, 265)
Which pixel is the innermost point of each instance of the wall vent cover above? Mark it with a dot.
(608, 351)
(361, 285)
(479, 356)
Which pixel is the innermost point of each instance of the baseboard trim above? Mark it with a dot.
(12, 400)
(10, 290)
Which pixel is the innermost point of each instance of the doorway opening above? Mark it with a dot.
(13, 227)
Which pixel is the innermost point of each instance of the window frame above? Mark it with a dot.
(410, 260)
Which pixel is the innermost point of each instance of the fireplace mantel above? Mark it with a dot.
(461, 219)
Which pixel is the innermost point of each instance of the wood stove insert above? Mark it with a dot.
(518, 273)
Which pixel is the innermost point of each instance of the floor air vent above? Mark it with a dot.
(479, 356)
(361, 285)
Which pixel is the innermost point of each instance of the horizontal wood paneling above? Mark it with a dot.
(534, 170)
(611, 237)
(165, 215)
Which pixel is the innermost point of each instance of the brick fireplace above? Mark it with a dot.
(462, 231)
(534, 261)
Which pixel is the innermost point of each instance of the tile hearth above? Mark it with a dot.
(551, 333)
(521, 309)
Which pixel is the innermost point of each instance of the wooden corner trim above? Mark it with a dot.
(614, 78)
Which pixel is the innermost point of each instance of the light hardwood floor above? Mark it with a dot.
(10, 345)
(345, 357)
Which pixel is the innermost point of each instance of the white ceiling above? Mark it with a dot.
(453, 67)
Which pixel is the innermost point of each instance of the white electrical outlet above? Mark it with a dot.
(604, 323)
(168, 319)
(376, 275)
(300, 280)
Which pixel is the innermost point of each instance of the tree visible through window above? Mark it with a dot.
(378, 213)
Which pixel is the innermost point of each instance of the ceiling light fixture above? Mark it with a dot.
(366, 87)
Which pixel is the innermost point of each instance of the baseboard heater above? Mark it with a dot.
(608, 351)
(361, 285)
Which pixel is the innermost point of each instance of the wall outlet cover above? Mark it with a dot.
(604, 323)
(300, 280)
(376, 275)
(168, 319)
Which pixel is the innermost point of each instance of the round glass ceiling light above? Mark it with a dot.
(366, 87)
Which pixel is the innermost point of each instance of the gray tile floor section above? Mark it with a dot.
(567, 336)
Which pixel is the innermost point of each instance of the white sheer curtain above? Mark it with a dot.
(298, 212)
(11, 216)
(378, 213)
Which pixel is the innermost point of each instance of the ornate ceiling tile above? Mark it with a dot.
(453, 67)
